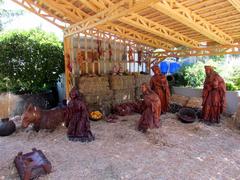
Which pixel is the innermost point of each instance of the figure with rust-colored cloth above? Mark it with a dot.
(214, 99)
(152, 109)
(77, 122)
(159, 85)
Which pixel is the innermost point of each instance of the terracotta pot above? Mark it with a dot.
(7, 127)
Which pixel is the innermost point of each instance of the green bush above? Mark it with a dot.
(230, 86)
(30, 61)
(191, 75)
(235, 77)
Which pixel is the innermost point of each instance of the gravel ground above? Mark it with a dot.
(175, 151)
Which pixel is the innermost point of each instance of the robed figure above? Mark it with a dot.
(77, 122)
(159, 85)
(214, 96)
(151, 110)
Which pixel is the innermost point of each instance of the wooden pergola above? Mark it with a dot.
(179, 28)
(165, 24)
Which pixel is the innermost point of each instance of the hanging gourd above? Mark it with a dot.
(124, 56)
(93, 55)
(99, 49)
(139, 56)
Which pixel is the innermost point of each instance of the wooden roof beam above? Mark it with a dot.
(115, 11)
(64, 7)
(125, 32)
(155, 28)
(235, 3)
(89, 4)
(187, 17)
(158, 29)
(208, 51)
(135, 36)
(112, 28)
(34, 8)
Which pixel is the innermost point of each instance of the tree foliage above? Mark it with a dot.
(30, 61)
(193, 75)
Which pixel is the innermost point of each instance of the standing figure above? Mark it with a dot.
(159, 85)
(77, 122)
(214, 99)
(152, 109)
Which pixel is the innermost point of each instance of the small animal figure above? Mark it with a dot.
(42, 119)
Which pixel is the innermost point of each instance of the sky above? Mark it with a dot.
(29, 20)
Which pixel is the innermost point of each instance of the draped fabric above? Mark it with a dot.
(214, 99)
(151, 114)
(78, 119)
(159, 85)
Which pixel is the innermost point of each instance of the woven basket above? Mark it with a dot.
(187, 115)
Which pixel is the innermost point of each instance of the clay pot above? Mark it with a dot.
(7, 127)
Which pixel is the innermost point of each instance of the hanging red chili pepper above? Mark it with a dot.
(79, 57)
(130, 55)
(110, 52)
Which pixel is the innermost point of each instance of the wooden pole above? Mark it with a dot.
(92, 45)
(67, 73)
(86, 53)
(104, 53)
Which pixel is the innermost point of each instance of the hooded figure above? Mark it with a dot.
(152, 109)
(214, 99)
(159, 85)
(78, 123)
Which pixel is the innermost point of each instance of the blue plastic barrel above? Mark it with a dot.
(164, 67)
(174, 67)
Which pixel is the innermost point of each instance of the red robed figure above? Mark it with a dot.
(214, 99)
(151, 110)
(159, 85)
(78, 119)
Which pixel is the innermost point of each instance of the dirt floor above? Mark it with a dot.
(175, 151)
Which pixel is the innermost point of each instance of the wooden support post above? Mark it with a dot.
(78, 65)
(104, 53)
(86, 53)
(73, 62)
(92, 46)
(67, 73)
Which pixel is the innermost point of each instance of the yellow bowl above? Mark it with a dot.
(95, 115)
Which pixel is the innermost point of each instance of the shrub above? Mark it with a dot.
(30, 61)
(235, 76)
(230, 86)
(192, 75)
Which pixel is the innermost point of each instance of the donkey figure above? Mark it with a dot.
(43, 119)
